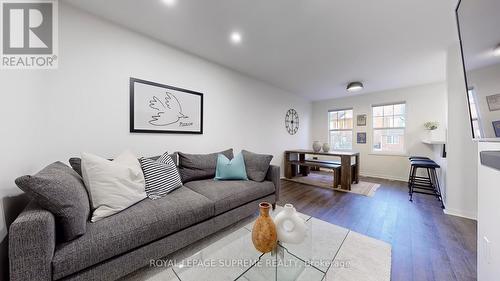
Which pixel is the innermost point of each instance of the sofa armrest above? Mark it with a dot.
(273, 174)
(32, 240)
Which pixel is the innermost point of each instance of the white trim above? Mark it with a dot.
(458, 213)
(380, 176)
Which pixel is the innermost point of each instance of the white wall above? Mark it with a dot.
(90, 97)
(486, 82)
(84, 105)
(23, 121)
(423, 103)
(461, 173)
(488, 216)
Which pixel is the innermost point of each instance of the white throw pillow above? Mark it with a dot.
(113, 185)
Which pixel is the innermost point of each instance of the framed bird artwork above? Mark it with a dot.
(158, 108)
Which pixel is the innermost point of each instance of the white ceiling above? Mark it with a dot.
(309, 47)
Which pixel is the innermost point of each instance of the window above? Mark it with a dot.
(476, 124)
(392, 139)
(389, 123)
(340, 126)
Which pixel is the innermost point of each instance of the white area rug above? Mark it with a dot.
(361, 258)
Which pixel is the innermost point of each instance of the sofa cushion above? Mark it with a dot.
(145, 222)
(199, 166)
(162, 176)
(113, 185)
(256, 165)
(230, 169)
(60, 190)
(228, 195)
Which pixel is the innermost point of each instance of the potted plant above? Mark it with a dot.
(431, 127)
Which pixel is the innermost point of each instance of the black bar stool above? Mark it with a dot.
(419, 158)
(413, 158)
(424, 184)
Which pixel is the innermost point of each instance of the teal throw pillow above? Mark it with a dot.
(230, 169)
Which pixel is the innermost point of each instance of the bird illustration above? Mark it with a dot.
(168, 110)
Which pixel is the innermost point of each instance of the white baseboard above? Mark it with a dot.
(380, 176)
(458, 213)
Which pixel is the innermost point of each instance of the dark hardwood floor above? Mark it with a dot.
(426, 243)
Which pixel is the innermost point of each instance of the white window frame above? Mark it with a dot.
(373, 130)
(341, 130)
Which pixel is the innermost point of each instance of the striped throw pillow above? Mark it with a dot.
(161, 175)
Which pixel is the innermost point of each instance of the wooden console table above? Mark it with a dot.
(346, 167)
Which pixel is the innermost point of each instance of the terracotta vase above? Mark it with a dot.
(264, 235)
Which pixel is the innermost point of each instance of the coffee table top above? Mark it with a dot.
(234, 257)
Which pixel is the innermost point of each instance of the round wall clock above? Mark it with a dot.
(292, 121)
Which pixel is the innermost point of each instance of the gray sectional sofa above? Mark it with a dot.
(151, 229)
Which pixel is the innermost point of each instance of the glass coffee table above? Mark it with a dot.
(234, 257)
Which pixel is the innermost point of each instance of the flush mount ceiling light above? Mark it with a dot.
(170, 3)
(496, 51)
(235, 37)
(354, 87)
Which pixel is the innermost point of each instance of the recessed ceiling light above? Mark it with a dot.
(496, 51)
(170, 3)
(354, 87)
(235, 37)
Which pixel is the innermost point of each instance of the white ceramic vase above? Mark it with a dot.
(290, 227)
(326, 147)
(316, 146)
(432, 135)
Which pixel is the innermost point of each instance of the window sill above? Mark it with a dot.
(402, 154)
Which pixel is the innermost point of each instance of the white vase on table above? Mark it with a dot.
(326, 147)
(290, 227)
(317, 146)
